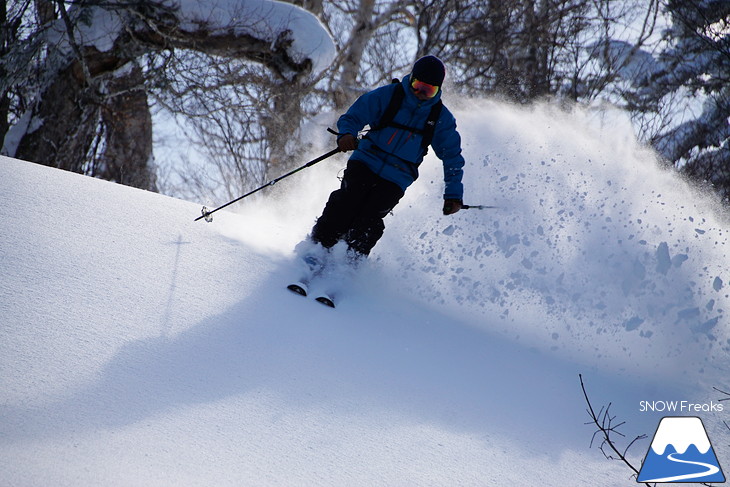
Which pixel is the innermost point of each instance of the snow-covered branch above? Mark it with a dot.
(282, 36)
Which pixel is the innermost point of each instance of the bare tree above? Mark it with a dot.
(518, 50)
(372, 38)
(529, 49)
(248, 120)
(91, 109)
(7, 37)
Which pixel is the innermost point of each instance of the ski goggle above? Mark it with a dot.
(429, 91)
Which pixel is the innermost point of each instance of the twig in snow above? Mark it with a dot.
(606, 427)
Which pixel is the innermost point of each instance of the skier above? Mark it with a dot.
(385, 162)
(404, 118)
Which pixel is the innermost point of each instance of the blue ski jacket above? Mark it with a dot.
(395, 153)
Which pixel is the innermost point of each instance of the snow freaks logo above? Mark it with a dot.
(681, 452)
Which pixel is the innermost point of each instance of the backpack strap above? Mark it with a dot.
(431, 121)
(396, 100)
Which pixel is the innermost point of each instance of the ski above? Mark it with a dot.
(326, 299)
(312, 268)
(302, 289)
(299, 288)
(323, 275)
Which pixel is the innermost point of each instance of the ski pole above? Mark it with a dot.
(477, 207)
(206, 213)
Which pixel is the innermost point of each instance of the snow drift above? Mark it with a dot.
(140, 348)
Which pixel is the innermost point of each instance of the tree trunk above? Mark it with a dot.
(361, 33)
(5, 41)
(128, 129)
(67, 122)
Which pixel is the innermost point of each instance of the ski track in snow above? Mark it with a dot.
(140, 348)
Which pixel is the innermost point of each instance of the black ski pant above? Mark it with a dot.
(354, 213)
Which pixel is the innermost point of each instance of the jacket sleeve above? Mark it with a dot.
(446, 144)
(366, 110)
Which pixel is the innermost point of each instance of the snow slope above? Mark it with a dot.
(140, 348)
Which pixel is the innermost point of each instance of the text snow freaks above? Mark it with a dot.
(679, 407)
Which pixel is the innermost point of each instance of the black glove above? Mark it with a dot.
(451, 206)
(347, 142)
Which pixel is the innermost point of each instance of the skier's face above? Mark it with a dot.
(421, 96)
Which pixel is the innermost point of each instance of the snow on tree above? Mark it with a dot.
(90, 111)
(693, 68)
(699, 60)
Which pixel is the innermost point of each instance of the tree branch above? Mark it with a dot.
(604, 422)
(72, 42)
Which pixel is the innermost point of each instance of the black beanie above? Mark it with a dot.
(429, 69)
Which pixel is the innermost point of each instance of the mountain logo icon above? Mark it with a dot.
(681, 452)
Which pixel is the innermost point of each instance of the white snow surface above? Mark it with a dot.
(138, 347)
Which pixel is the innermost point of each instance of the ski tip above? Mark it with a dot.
(326, 301)
(297, 288)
